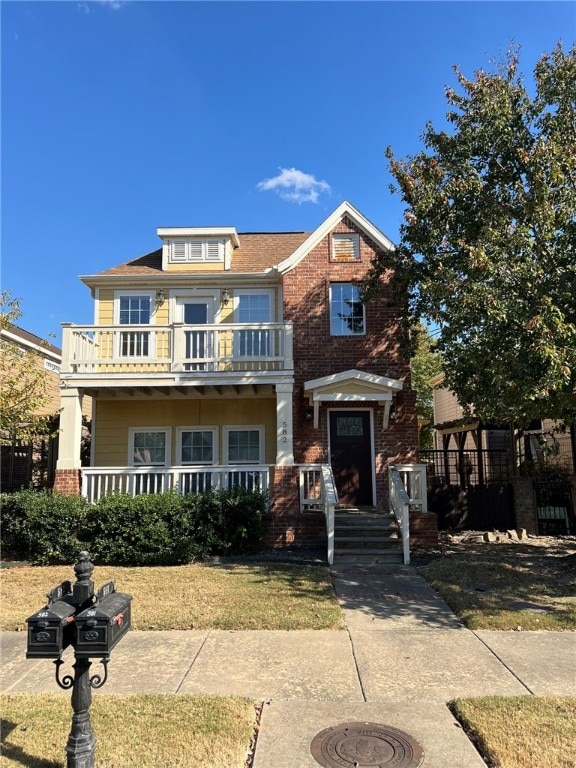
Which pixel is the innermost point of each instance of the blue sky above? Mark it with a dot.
(121, 117)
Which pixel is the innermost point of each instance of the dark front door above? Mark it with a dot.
(351, 456)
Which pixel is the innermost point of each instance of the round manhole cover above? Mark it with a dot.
(365, 745)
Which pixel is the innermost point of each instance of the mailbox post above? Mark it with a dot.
(92, 623)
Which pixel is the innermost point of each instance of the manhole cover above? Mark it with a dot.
(365, 745)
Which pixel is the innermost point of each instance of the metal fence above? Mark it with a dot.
(466, 467)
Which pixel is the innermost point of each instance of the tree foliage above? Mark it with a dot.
(488, 244)
(424, 365)
(23, 392)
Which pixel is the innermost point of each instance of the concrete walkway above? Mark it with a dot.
(402, 657)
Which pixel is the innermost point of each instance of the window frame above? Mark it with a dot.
(189, 257)
(330, 306)
(197, 428)
(130, 294)
(227, 430)
(133, 431)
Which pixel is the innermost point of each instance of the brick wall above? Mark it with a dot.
(525, 505)
(67, 481)
(317, 353)
(423, 529)
(287, 526)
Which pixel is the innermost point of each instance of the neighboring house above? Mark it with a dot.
(469, 452)
(32, 462)
(241, 358)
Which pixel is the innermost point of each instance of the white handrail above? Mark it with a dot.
(400, 506)
(318, 491)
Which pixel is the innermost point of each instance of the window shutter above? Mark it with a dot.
(213, 250)
(178, 250)
(345, 247)
(195, 250)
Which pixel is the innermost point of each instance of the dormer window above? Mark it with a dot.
(196, 251)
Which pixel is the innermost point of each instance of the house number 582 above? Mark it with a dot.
(284, 432)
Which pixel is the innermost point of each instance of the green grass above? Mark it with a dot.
(143, 731)
(255, 596)
(521, 731)
(506, 586)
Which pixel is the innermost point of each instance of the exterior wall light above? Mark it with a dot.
(309, 414)
(225, 297)
(160, 297)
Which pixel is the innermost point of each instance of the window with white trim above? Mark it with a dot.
(345, 246)
(149, 446)
(346, 310)
(253, 307)
(134, 309)
(197, 445)
(244, 445)
(190, 250)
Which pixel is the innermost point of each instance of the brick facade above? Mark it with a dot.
(67, 481)
(306, 293)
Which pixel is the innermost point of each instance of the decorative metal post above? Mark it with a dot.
(92, 624)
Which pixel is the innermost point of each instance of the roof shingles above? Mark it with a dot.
(257, 252)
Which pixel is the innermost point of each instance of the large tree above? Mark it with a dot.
(488, 245)
(23, 393)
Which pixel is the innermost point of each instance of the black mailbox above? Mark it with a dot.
(102, 625)
(50, 630)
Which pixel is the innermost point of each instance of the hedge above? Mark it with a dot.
(159, 529)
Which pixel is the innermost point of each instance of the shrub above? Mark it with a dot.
(41, 526)
(159, 529)
(141, 530)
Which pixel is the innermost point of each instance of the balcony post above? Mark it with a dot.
(284, 435)
(288, 347)
(66, 347)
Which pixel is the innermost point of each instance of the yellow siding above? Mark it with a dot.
(114, 418)
(192, 268)
(105, 307)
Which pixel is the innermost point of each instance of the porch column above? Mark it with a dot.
(284, 438)
(70, 429)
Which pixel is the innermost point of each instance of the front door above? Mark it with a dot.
(351, 456)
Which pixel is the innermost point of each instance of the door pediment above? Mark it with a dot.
(352, 386)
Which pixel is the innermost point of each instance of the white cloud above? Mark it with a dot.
(115, 5)
(295, 186)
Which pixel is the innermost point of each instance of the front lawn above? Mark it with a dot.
(521, 731)
(199, 596)
(508, 586)
(140, 731)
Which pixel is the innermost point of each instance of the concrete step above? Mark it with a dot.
(363, 541)
(378, 556)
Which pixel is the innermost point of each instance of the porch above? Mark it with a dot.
(304, 504)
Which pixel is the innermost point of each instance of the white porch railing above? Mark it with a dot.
(98, 482)
(318, 491)
(407, 491)
(177, 348)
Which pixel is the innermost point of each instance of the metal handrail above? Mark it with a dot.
(400, 506)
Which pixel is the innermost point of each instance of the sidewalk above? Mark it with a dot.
(403, 656)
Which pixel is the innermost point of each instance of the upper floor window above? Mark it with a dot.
(346, 310)
(345, 247)
(253, 308)
(196, 250)
(134, 309)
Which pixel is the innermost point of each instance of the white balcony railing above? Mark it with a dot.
(133, 349)
(98, 482)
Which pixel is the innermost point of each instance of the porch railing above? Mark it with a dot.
(177, 348)
(318, 491)
(413, 477)
(98, 482)
(400, 507)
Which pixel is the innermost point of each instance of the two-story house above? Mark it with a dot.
(227, 358)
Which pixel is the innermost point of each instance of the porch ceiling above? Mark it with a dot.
(189, 392)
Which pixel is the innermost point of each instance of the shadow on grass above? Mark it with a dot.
(17, 754)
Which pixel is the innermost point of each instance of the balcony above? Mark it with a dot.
(107, 351)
